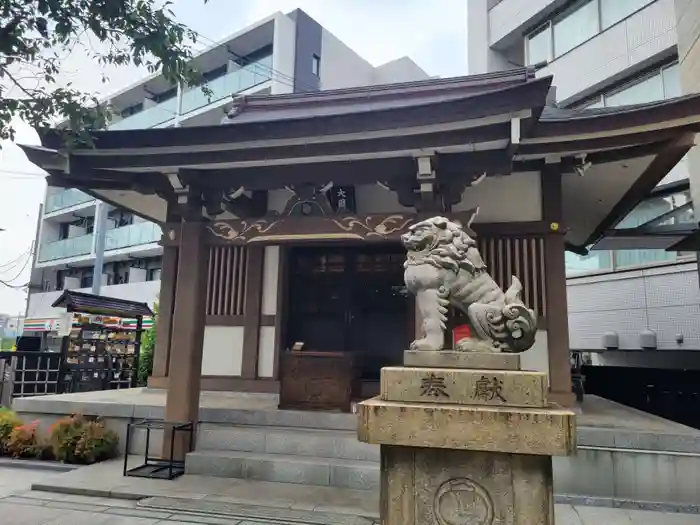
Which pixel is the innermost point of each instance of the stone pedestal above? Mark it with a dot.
(466, 439)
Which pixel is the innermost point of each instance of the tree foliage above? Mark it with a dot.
(147, 350)
(37, 35)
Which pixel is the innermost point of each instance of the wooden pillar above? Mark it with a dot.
(166, 304)
(252, 313)
(282, 308)
(186, 347)
(555, 288)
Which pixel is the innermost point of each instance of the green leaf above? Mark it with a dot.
(38, 34)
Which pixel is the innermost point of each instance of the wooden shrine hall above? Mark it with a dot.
(281, 226)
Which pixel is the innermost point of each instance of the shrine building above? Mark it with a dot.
(282, 225)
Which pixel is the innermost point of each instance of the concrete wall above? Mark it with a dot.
(481, 57)
(307, 46)
(614, 53)
(664, 299)
(688, 31)
(283, 54)
(510, 18)
(341, 67)
(400, 70)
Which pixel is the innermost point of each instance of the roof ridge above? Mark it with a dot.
(525, 74)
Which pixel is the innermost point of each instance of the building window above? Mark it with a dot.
(595, 261)
(316, 65)
(153, 274)
(86, 280)
(647, 210)
(672, 81)
(573, 27)
(539, 46)
(649, 89)
(576, 28)
(613, 11)
(132, 110)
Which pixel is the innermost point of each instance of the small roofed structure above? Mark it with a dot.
(81, 302)
(359, 166)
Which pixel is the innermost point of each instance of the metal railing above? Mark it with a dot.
(65, 199)
(27, 374)
(132, 235)
(70, 247)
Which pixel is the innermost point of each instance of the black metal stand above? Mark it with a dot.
(156, 467)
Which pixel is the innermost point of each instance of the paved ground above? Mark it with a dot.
(19, 505)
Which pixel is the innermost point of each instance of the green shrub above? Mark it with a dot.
(75, 440)
(8, 421)
(96, 443)
(148, 346)
(64, 437)
(24, 441)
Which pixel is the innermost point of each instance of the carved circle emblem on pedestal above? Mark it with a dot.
(461, 501)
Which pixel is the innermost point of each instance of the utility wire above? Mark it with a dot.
(13, 263)
(13, 286)
(24, 266)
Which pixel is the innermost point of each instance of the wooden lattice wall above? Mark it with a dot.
(522, 257)
(226, 281)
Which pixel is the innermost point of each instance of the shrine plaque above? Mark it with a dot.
(464, 386)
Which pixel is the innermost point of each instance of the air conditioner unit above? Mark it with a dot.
(71, 283)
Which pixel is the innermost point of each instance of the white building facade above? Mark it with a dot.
(626, 304)
(283, 53)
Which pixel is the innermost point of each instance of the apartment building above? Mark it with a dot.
(626, 304)
(283, 53)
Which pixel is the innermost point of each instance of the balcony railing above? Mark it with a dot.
(132, 235)
(71, 247)
(149, 117)
(222, 87)
(65, 199)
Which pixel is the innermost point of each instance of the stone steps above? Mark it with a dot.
(324, 443)
(285, 468)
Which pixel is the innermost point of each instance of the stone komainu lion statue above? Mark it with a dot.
(444, 267)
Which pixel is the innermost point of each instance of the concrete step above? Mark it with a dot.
(222, 509)
(283, 418)
(336, 444)
(284, 468)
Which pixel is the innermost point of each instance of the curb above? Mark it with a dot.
(30, 464)
(627, 504)
(95, 493)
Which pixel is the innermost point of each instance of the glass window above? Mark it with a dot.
(539, 46)
(316, 65)
(646, 211)
(672, 81)
(576, 28)
(612, 11)
(625, 258)
(648, 90)
(595, 261)
(598, 103)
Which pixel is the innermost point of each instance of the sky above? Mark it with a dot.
(433, 33)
